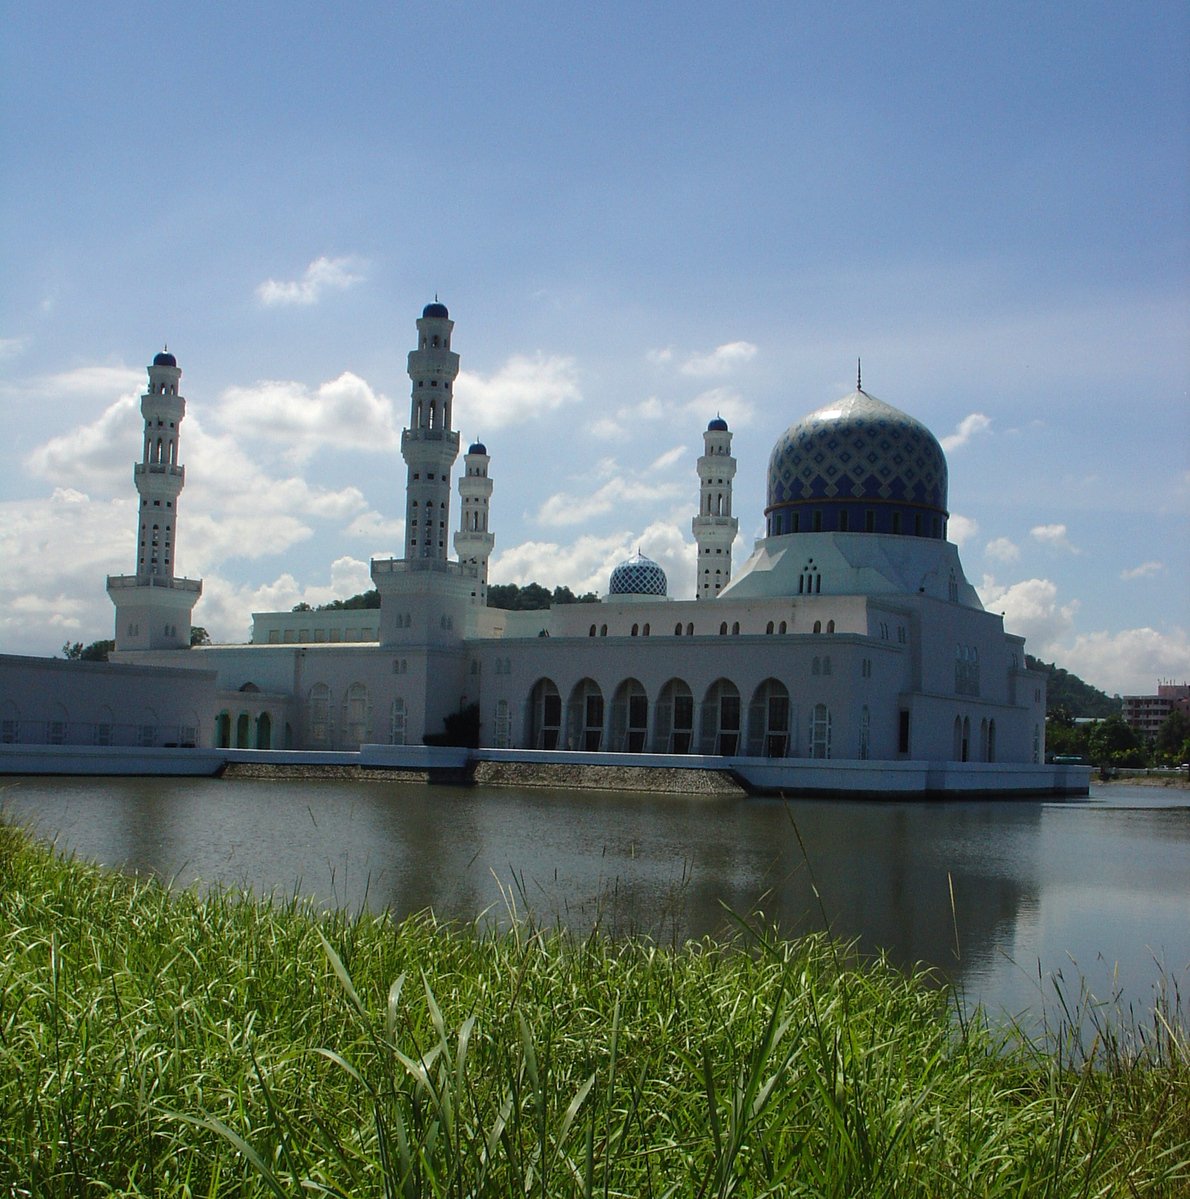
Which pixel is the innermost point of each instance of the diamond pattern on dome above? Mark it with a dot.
(638, 576)
(902, 457)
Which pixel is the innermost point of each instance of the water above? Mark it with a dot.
(1010, 900)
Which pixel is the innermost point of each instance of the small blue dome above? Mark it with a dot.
(718, 425)
(477, 447)
(638, 576)
(165, 359)
(435, 309)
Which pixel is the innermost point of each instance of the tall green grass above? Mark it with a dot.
(176, 1044)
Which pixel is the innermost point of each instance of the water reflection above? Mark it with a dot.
(990, 893)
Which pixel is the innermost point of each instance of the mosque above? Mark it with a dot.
(849, 637)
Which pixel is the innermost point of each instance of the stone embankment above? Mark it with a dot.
(589, 777)
(558, 776)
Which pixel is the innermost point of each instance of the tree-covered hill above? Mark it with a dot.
(1068, 692)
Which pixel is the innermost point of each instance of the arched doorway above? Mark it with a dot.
(630, 718)
(264, 731)
(545, 716)
(584, 717)
(768, 720)
(223, 730)
(721, 719)
(673, 720)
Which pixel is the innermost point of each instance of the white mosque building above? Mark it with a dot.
(849, 645)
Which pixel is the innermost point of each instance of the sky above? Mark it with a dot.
(640, 217)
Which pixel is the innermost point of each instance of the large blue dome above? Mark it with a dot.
(860, 466)
(435, 310)
(638, 576)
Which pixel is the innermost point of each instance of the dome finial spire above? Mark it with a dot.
(859, 375)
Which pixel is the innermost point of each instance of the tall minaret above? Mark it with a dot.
(153, 607)
(473, 542)
(714, 527)
(429, 446)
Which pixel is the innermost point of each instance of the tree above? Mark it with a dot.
(1173, 738)
(1114, 742)
(199, 635)
(97, 651)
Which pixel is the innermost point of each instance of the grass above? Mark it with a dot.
(175, 1044)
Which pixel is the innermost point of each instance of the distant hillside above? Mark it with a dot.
(1066, 690)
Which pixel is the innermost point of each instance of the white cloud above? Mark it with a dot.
(607, 429)
(720, 361)
(570, 509)
(522, 389)
(344, 413)
(724, 402)
(1031, 610)
(961, 529)
(1144, 570)
(661, 356)
(1054, 535)
(968, 427)
(586, 563)
(1001, 549)
(666, 460)
(323, 274)
(1128, 662)
(381, 530)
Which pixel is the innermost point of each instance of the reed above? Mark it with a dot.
(167, 1043)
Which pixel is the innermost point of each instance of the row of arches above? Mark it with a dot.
(718, 723)
(964, 750)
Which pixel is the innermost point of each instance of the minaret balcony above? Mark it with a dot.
(120, 582)
(158, 468)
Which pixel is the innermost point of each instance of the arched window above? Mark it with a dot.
(545, 715)
(721, 719)
(783, 627)
(584, 717)
(690, 629)
(319, 712)
(592, 632)
(678, 629)
(818, 626)
(768, 628)
(723, 629)
(630, 718)
(830, 626)
(769, 723)
(645, 630)
(735, 628)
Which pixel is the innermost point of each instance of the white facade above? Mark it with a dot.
(850, 635)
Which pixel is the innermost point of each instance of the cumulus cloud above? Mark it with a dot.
(564, 508)
(1131, 661)
(969, 427)
(720, 361)
(660, 357)
(11, 347)
(961, 529)
(586, 563)
(666, 460)
(1144, 570)
(522, 389)
(1031, 609)
(1001, 549)
(98, 456)
(322, 275)
(344, 413)
(381, 531)
(724, 402)
(1055, 535)
(627, 417)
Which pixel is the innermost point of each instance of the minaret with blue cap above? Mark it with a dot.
(430, 446)
(474, 541)
(153, 608)
(714, 527)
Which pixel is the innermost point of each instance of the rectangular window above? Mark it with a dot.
(903, 733)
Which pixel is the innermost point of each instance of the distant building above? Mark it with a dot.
(1147, 713)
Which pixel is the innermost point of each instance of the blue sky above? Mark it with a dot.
(639, 216)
